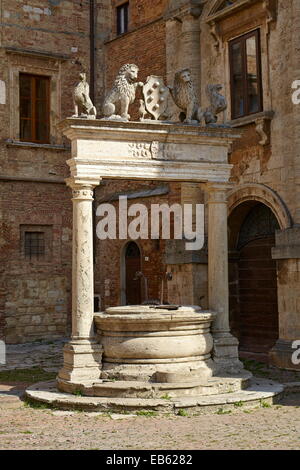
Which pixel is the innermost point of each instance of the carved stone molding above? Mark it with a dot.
(149, 150)
(179, 8)
(140, 149)
(214, 31)
(82, 189)
(83, 194)
(270, 7)
(266, 10)
(263, 128)
(260, 193)
(262, 131)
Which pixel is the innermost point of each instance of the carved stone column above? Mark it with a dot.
(82, 355)
(225, 351)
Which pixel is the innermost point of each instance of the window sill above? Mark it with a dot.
(17, 143)
(251, 119)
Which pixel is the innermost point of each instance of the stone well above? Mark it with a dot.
(145, 357)
(151, 352)
(155, 344)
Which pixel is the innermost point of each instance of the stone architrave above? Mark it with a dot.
(155, 96)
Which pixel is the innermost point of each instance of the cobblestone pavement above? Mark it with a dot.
(23, 427)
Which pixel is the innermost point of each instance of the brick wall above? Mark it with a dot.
(37, 37)
(143, 45)
(108, 279)
(37, 300)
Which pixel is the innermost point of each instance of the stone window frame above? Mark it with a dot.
(265, 78)
(262, 22)
(48, 232)
(34, 63)
(242, 40)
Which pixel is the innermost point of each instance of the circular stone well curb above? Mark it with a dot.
(262, 392)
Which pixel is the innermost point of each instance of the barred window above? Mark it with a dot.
(34, 245)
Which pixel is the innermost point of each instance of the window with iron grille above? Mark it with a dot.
(34, 108)
(122, 18)
(245, 75)
(34, 245)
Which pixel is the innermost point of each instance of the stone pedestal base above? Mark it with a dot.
(281, 355)
(82, 362)
(225, 354)
(201, 367)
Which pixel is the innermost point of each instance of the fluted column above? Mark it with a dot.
(82, 355)
(225, 345)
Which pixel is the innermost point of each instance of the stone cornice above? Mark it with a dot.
(148, 151)
(216, 15)
(147, 131)
(266, 11)
(36, 53)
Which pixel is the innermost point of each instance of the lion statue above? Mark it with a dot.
(184, 96)
(122, 94)
(218, 103)
(82, 101)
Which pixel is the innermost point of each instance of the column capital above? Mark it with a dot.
(217, 192)
(82, 188)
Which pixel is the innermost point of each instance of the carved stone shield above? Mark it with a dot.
(155, 94)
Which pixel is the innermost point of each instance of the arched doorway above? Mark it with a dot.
(253, 279)
(133, 294)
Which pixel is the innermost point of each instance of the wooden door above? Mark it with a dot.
(258, 319)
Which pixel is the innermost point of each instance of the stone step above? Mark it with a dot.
(260, 393)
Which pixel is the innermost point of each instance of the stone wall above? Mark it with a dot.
(51, 39)
(37, 292)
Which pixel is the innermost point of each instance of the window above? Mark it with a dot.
(245, 72)
(122, 18)
(34, 245)
(34, 108)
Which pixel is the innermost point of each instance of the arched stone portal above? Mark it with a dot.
(253, 278)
